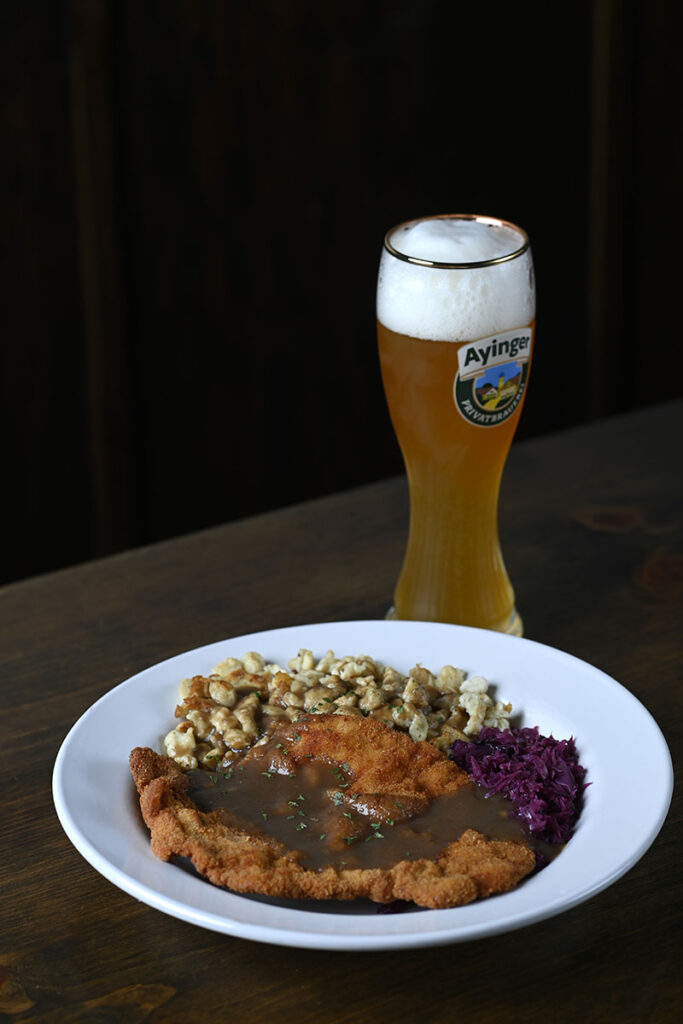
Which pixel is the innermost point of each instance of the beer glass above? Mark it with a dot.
(455, 327)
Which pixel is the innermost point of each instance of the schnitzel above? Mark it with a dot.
(335, 807)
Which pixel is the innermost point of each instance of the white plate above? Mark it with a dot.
(624, 807)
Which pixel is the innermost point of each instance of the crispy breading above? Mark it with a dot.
(234, 853)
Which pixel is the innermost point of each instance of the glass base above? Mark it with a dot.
(514, 625)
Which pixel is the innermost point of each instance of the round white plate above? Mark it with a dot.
(624, 806)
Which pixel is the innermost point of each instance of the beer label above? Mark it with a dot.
(491, 377)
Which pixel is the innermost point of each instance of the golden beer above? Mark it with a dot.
(455, 378)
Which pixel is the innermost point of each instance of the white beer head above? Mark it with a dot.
(455, 303)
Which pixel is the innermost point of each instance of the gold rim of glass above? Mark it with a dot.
(492, 221)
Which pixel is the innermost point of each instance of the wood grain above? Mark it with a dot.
(592, 535)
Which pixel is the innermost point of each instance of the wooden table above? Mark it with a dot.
(592, 533)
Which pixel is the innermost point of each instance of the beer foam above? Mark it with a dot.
(455, 304)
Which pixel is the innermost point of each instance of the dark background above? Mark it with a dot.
(193, 199)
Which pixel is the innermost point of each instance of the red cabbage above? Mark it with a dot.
(539, 774)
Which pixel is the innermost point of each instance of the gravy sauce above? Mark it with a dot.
(314, 810)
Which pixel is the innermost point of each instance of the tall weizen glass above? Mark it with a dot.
(455, 323)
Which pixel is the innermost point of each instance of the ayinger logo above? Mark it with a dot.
(491, 377)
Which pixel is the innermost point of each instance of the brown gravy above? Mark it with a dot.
(314, 810)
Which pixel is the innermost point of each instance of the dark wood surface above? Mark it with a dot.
(592, 531)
